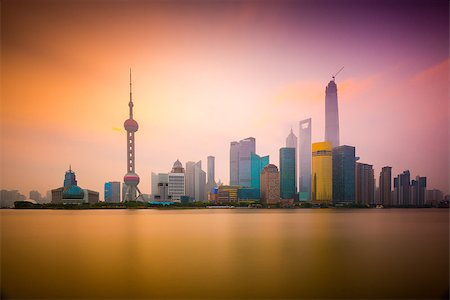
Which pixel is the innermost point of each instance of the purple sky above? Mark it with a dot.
(210, 72)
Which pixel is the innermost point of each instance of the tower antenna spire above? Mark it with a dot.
(334, 76)
(130, 104)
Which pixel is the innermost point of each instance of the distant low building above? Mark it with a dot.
(227, 193)
(7, 198)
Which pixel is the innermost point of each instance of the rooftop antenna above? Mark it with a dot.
(334, 76)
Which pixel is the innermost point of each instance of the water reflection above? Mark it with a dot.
(225, 254)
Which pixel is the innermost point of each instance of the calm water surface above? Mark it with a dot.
(240, 253)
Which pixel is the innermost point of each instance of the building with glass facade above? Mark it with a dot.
(331, 114)
(257, 163)
(245, 193)
(112, 191)
(344, 174)
(304, 158)
(240, 169)
(287, 173)
(227, 193)
(322, 173)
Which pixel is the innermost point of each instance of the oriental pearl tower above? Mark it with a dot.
(131, 179)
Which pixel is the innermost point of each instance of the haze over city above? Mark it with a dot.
(206, 75)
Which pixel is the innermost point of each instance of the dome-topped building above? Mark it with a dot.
(71, 193)
(74, 192)
(177, 167)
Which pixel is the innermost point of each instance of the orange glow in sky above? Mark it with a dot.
(208, 73)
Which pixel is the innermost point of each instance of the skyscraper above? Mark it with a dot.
(292, 142)
(418, 191)
(176, 181)
(331, 114)
(287, 173)
(305, 160)
(131, 179)
(211, 171)
(190, 179)
(112, 191)
(199, 182)
(234, 163)
(322, 174)
(257, 163)
(385, 183)
(270, 185)
(364, 183)
(240, 171)
(401, 188)
(344, 174)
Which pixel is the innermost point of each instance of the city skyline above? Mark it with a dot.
(384, 106)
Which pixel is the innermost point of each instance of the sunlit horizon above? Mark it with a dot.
(206, 74)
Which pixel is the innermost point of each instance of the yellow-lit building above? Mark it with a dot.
(322, 173)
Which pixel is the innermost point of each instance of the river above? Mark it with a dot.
(225, 253)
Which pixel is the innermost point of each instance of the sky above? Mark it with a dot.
(206, 73)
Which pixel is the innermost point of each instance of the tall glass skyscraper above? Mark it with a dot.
(287, 173)
(343, 174)
(305, 160)
(322, 173)
(257, 163)
(292, 142)
(240, 170)
(331, 114)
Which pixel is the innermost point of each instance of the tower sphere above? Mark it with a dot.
(131, 179)
(131, 125)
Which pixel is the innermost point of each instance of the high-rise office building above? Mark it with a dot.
(112, 191)
(190, 179)
(385, 187)
(270, 185)
(240, 169)
(364, 183)
(305, 160)
(322, 173)
(234, 163)
(211, 178)
(176, 181)
(401, 188)
(292, 142)
(200, 193)
(257, 163)
(211, 171)
(344, 174)
(131, 179)
(287, 173)
(418, 191)
(331, 114)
